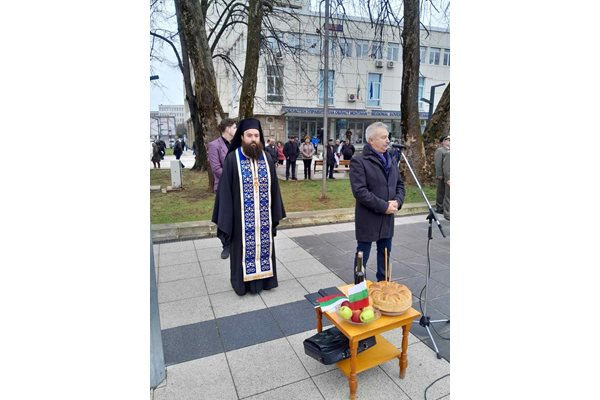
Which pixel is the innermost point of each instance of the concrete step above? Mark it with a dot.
(162, 233)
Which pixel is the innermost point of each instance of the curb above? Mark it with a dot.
(163, 233)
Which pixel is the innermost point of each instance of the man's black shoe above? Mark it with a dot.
(225, 253)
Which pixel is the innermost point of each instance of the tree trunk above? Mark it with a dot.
(191, 21)
(190, 96)
(437, 127)
(193, 31)
(409, 104)
(255, 17)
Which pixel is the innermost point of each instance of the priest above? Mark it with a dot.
(248, 208)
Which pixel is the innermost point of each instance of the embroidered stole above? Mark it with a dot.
(255, 190)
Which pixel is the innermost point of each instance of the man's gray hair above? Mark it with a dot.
(372, 128)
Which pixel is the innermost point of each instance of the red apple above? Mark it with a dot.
(356, 316)
(345, 303)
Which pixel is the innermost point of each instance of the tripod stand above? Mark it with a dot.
(425, 320)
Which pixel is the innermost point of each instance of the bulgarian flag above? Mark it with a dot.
(358, 296)
(328, 303)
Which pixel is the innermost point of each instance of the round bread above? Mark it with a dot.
(390, 296)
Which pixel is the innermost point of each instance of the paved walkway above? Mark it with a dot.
(218, 345)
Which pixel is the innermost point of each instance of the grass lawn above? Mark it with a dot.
(195, 203)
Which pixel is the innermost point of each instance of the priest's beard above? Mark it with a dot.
(251, 151)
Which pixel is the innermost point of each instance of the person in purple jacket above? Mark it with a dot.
(217, 150)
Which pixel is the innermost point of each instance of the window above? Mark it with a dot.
(447, 57)
(362, 49)
(422, 54)
(434, 56)
(345, 48)
(275, 83)
(393, 52)
(330, 86)
(376, 50)
(312, 44)
(374, 90)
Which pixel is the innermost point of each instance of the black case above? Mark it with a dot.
(331, 346)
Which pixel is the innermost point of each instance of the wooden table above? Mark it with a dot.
(382, 352)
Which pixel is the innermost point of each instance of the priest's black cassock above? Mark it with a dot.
(228, 213)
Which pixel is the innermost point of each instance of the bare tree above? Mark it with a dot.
(409, 102)
(436, 128)
(255, 17)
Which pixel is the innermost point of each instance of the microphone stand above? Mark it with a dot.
(425, 320)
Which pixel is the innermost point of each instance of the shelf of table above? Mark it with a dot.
(382, 352)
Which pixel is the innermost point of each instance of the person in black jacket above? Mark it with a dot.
(291, 151)
(271, 150)
(379, 193)
(178, 151)
(330, 158)
(348, 150)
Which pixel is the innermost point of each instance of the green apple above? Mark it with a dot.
(367, 315)
(345, 312)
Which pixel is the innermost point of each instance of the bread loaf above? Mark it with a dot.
(390, 296)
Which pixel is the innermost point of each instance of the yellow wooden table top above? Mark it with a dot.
(383, 324)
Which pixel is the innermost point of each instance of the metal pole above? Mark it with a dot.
(432, 100)
(157, 358)
(325, 99)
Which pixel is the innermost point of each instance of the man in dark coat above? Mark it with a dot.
(291, 150)
(330, 158)
(438, 158)
(248, 208)
(178, 151)
(379, 193)
(348, 150)
(272, 150)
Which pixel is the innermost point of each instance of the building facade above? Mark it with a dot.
(364, 74)
(170, 110)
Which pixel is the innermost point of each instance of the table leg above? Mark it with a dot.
(319, 319)
(352, 379)
(403, 355)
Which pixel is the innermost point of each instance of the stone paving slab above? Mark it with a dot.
(305, 267)
(287, 291)
(315, 282)
(247, 329)
(423, 369)
(179, 271)
(205, 378)
(185, 312)
(302, 390)
(218, 283)
(181, 289)
(190, 342)
(265, 366)
(372, 384)
(229, 303)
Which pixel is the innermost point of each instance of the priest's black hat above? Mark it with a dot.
(244, 125)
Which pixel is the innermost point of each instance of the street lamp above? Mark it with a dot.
(431, 100)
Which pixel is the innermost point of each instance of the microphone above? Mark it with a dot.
(398, 146)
